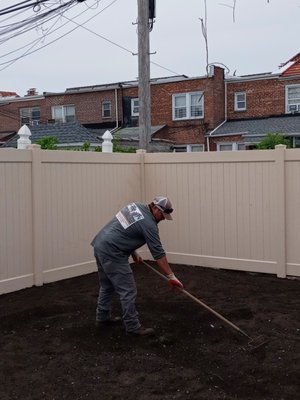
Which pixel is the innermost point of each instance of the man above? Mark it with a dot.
(131, 228)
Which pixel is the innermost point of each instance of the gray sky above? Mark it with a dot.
(263, 35)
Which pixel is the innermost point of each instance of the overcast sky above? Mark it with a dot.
(256, 38)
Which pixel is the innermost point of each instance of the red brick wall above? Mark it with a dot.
(264, 97)
(213, 142)
(188, 131)
(10, 114)
(88, 106)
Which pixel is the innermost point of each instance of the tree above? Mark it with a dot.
(271, 140)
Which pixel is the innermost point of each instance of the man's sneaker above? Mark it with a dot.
(142, 332)
(110, 321)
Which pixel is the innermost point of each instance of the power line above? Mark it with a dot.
(11, 9)
(41, 19)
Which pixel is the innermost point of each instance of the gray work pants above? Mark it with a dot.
(116, 278)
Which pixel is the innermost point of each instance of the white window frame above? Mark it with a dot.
(106, 109)
(235, 146)
(187, 108)
(188, 148)
(292, 105)
(29, 119)
(240, 104)
(63, 111)
(135, 108)
(295, 141)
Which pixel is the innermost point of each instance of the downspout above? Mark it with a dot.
(223, 122)
(117, 111)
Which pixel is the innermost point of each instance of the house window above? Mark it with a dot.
(63, 113)
(30, 116)
(239, 101)
(292, 96)
(187, 105)
(106, 109)
(135, 107)
(230, 146)
(189, 148)
(294, 141)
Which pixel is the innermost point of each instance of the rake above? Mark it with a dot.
(253, 343)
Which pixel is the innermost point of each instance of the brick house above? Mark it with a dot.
(259, 104)
(182, 110)
(209, 113)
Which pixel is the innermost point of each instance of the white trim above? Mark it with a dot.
(63, 109)
(134, 106)
(236, 101)
(296, 103)
(187, 106)
(105, 102)
(234, 146)
(188, 148)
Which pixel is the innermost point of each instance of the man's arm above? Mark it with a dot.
(164, 266)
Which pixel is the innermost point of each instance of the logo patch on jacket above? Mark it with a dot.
(129, 215)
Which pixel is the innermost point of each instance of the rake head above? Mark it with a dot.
(257, 343)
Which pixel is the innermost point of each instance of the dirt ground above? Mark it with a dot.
(50, 348)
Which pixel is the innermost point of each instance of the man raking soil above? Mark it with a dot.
(133, 226)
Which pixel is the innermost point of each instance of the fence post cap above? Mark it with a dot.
(23, 141)
(107, 135)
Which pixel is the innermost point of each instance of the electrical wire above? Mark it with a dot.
(37, 21)
(10, 62)
(34, 4)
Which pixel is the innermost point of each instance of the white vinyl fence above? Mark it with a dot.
(233, 210)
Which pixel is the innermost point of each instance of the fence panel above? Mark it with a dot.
(225, 208)
(16, 264)
(292, 190)
(81, 192)
(233, 210)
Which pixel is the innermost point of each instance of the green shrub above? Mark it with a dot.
(86, 146)
(48, 143)
(272, 140)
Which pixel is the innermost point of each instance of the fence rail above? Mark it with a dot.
(233, 210)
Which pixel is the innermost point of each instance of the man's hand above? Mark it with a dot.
(136, 257)
(174, 282)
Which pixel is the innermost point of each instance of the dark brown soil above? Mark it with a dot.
(50, 348)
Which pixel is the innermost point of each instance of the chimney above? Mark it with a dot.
(32, 92)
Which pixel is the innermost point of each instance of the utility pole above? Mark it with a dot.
(144, 75)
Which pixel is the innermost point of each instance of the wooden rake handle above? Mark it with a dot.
(199, 302)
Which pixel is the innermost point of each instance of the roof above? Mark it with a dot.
(8, 95)
(117, 85)
(133, 134)
(5, 136)
(69, 133)
(98, 132)
(286, 125)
